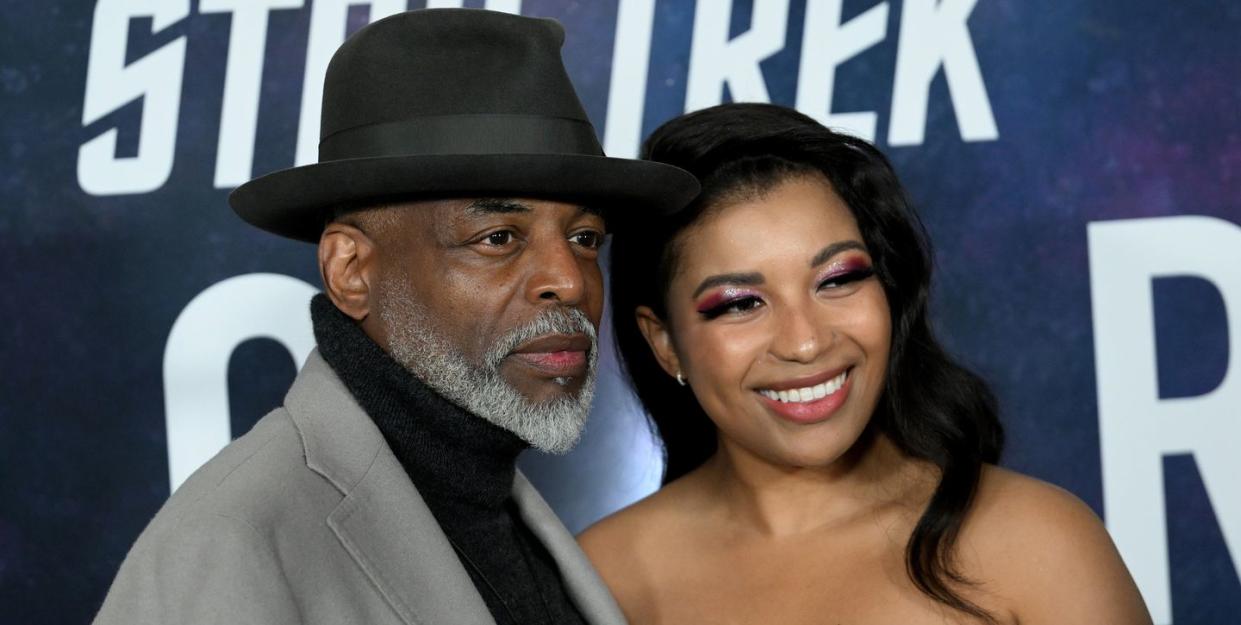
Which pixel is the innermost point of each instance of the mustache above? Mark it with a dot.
(548, 321)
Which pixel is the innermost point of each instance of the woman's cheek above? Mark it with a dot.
(881, 321)
(734, 348)
(718, 355)
(868, 320)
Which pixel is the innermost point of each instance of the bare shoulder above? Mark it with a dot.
(1009, 502)
(630, 547)
(1047, 554)
(614, 536)
(630, 533)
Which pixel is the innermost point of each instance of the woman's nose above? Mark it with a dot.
(800, 335)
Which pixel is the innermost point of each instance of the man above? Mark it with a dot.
(458, 207)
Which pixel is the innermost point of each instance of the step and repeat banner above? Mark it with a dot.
(1078, 165)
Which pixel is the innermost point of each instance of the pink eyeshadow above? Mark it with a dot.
(715, 299)
(842, 267)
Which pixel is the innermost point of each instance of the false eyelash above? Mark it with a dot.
(856, 275)
(723, 307)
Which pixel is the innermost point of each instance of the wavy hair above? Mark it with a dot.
(931, 408)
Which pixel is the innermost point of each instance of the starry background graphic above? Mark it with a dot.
(1106, 110)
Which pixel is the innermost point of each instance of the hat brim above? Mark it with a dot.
(296, 202)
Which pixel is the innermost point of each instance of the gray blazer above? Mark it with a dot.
(309, 518)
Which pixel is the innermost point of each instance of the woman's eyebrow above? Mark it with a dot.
(748, 279)
(833, 249)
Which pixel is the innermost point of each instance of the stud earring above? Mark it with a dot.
(680, 379)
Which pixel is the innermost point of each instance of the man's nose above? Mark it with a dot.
(800, 335)
(556, 274)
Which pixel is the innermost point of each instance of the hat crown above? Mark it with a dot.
(425, 64)
(462, 103)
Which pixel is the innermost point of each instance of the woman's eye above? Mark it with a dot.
(844, 279)
(589, 239)
(733, 307)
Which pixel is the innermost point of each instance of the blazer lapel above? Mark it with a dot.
(382, 522)
(390, 532)
(581, 581)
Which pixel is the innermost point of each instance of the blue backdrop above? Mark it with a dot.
(1078, 166)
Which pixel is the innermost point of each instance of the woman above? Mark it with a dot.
(827, 462)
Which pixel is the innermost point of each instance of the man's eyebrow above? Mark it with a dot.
(491, 206)
(828, 252)
(748, 279)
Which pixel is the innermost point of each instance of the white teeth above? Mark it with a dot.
(809, 393)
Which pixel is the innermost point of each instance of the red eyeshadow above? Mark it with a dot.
(718, 298)
(842, 267)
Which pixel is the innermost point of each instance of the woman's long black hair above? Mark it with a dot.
(932, 408)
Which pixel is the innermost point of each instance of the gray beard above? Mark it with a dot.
(413, 340)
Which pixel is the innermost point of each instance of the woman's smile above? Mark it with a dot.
(806, 401)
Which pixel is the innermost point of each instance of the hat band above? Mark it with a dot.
(463, 134)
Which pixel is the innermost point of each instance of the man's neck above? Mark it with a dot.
(454, 457)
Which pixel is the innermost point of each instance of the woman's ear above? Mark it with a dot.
(347, 266)
(657, 337)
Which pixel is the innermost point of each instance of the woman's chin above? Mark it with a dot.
(807, 449)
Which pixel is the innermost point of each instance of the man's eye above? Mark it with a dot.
(588, 239)
(499, 239)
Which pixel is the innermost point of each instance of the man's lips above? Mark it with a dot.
(555, 355)
(555, 343)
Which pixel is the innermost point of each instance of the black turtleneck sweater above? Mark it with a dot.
(462, 466)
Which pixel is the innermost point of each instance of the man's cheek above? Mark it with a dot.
(595, 298)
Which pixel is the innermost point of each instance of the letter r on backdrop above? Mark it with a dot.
(715, 60)
(1137, 428)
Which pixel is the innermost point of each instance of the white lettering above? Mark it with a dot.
(212, 325)
(1137, 428)
(242, 80)
(631, 56)
(715, 60)
(110, 84)
(934, 34)
(825, 45)
(505, 6)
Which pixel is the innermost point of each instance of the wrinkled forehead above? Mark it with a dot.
(453, 210)
(531, 207)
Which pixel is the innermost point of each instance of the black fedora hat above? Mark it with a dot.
(454, 103)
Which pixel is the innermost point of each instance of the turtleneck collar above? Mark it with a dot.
(455, 458)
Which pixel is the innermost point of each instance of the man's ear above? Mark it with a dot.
(347, 264)
(657, 337)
